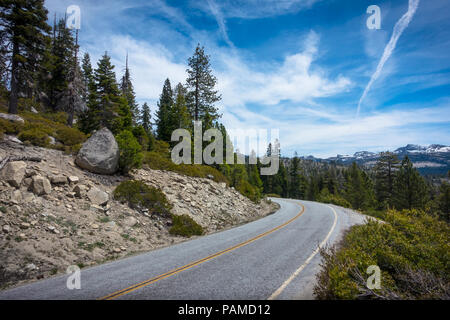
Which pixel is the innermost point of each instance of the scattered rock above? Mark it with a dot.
(59, 179)
(12, 139)
(16, 197)
(74, 179)
(100, 153)
(130, 221)
(41, 186)
(117, 250)
(13, 173)
(31, 267)
(24, 225)
(97, 196)
(95, 226)
(79, 191)
(6, 228)
(12, 117)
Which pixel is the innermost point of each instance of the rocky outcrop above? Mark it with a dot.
(100, 153)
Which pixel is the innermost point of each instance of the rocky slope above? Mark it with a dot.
(53, 214)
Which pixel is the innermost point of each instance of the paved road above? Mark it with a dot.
(274, 257)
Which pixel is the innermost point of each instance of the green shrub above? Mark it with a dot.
(10, 127)
(138, 195)
(411, 249)
(156, 161)
(273, 195)
(327, 197)
(161, 147)
(35, 136)
(130, 151)
(70, 136)
(249, 191)
(142, 137)
(185, 226)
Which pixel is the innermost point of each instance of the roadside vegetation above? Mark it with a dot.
(411, 249)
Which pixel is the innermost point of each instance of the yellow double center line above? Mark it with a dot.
(195, 263)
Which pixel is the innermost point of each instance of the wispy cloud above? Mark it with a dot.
(399, 27)
(215, 10)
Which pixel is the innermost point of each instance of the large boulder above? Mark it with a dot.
(13, 173)
(100, 153)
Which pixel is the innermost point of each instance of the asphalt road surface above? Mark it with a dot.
(275, 257)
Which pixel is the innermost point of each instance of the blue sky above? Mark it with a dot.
(299, 66)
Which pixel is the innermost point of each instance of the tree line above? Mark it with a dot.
(390, 183)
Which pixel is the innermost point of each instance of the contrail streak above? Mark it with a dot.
(399, 27)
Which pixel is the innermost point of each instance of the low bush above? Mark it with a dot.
(411, 249)
(185, 226)
(130, 151)
(70, 136)
(35, 136)
(249, 191)
(156, 161)
(10, 127)
(273, 195)
(138, 195)
(326, 197)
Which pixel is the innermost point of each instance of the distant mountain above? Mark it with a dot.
(434, 159)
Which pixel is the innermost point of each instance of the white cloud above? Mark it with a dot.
(294, 79)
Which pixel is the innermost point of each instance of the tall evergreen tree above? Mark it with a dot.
(63, 51)
(24, 27)
(294, 177)
(126, 86)
(87, 76)
(200, 83)
(356, 188)
(410, 188)
(164, 113)
(107, 107)
(179, 117)
(385, 170)
(145, 118)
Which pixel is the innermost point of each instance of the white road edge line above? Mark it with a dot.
(296, 273)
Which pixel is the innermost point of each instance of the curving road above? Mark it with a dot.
(275, 257)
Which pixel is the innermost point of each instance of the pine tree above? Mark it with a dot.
(24, 27)
(107, 107)
(443, 201)
(126, 86)
(62, 70)
(385, 170)
(410, 189)
(356, 188)
(179, 117)
(294, 186)
(145, 118)
(164, 113)
(87, 76)
(201, 95)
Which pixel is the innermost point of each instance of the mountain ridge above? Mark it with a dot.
(432, 159)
